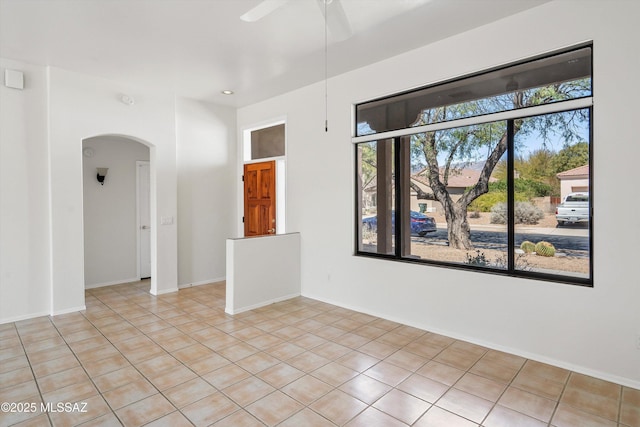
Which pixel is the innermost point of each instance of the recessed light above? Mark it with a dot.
(227, 92)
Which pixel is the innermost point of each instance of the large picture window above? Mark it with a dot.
(489, 172)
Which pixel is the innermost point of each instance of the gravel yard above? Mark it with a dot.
(561, 263)
(565, 264)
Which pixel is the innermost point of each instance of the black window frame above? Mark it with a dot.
(510, 271)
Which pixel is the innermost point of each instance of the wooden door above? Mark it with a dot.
(260, 199)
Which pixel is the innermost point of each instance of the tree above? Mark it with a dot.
(446, 151)
(456, 145)
(538, 166)
(570, 157)
(369, 168)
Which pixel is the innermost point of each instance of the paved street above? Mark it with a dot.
(571, 240)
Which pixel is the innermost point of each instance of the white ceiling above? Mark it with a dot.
(196, 48)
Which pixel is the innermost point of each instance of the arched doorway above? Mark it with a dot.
(116, 197)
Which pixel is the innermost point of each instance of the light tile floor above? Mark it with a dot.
(178, 360)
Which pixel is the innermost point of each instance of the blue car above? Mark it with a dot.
(420, 223)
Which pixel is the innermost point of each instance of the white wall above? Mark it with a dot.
(262, 270)
(25, 274)
(110, 211)
(41, 192)
(82, 107)
(206, 145)
(591, 330)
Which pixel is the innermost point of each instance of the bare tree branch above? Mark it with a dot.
(421, 194)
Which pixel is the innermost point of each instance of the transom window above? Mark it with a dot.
(478, 172)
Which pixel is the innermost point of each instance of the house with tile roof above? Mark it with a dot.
(459, 180)
(574, 180)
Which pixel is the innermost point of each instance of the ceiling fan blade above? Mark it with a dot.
(336, 20)
(263, 9)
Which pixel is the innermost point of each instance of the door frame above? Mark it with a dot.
(153, 289)
(281, 172)
(138, 225)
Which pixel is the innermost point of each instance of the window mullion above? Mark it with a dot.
(510, 198)
(398, 205)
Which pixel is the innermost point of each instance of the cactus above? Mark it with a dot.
(528, 247)
(545, 249)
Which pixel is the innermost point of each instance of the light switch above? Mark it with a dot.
(166, 220)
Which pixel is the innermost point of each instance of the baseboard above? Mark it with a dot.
(23, 317)
(69, 310)
(532, 356)
(262, 304)
(202, 282)
(115, 282)
(164, 291)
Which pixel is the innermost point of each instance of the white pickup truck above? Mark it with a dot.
(574, 208)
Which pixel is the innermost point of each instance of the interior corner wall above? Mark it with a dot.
(110, 211)
(81, 107)
(206, 159)
(25, 273)
(590, 330)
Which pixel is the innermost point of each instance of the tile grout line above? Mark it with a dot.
(289, 315)
(133, 365)
(86, 372)
(557, 406)
(32, 371)
(619, 420)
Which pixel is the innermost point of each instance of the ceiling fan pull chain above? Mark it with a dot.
(326, 74)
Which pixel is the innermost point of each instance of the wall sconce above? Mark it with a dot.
(102, 173)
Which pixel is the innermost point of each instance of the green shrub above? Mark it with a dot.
(525, 213)
(479, 259)
(528, 187)
(487, 201)
(545, 249)
(525, 190)
(520, 262)
(501, 261)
